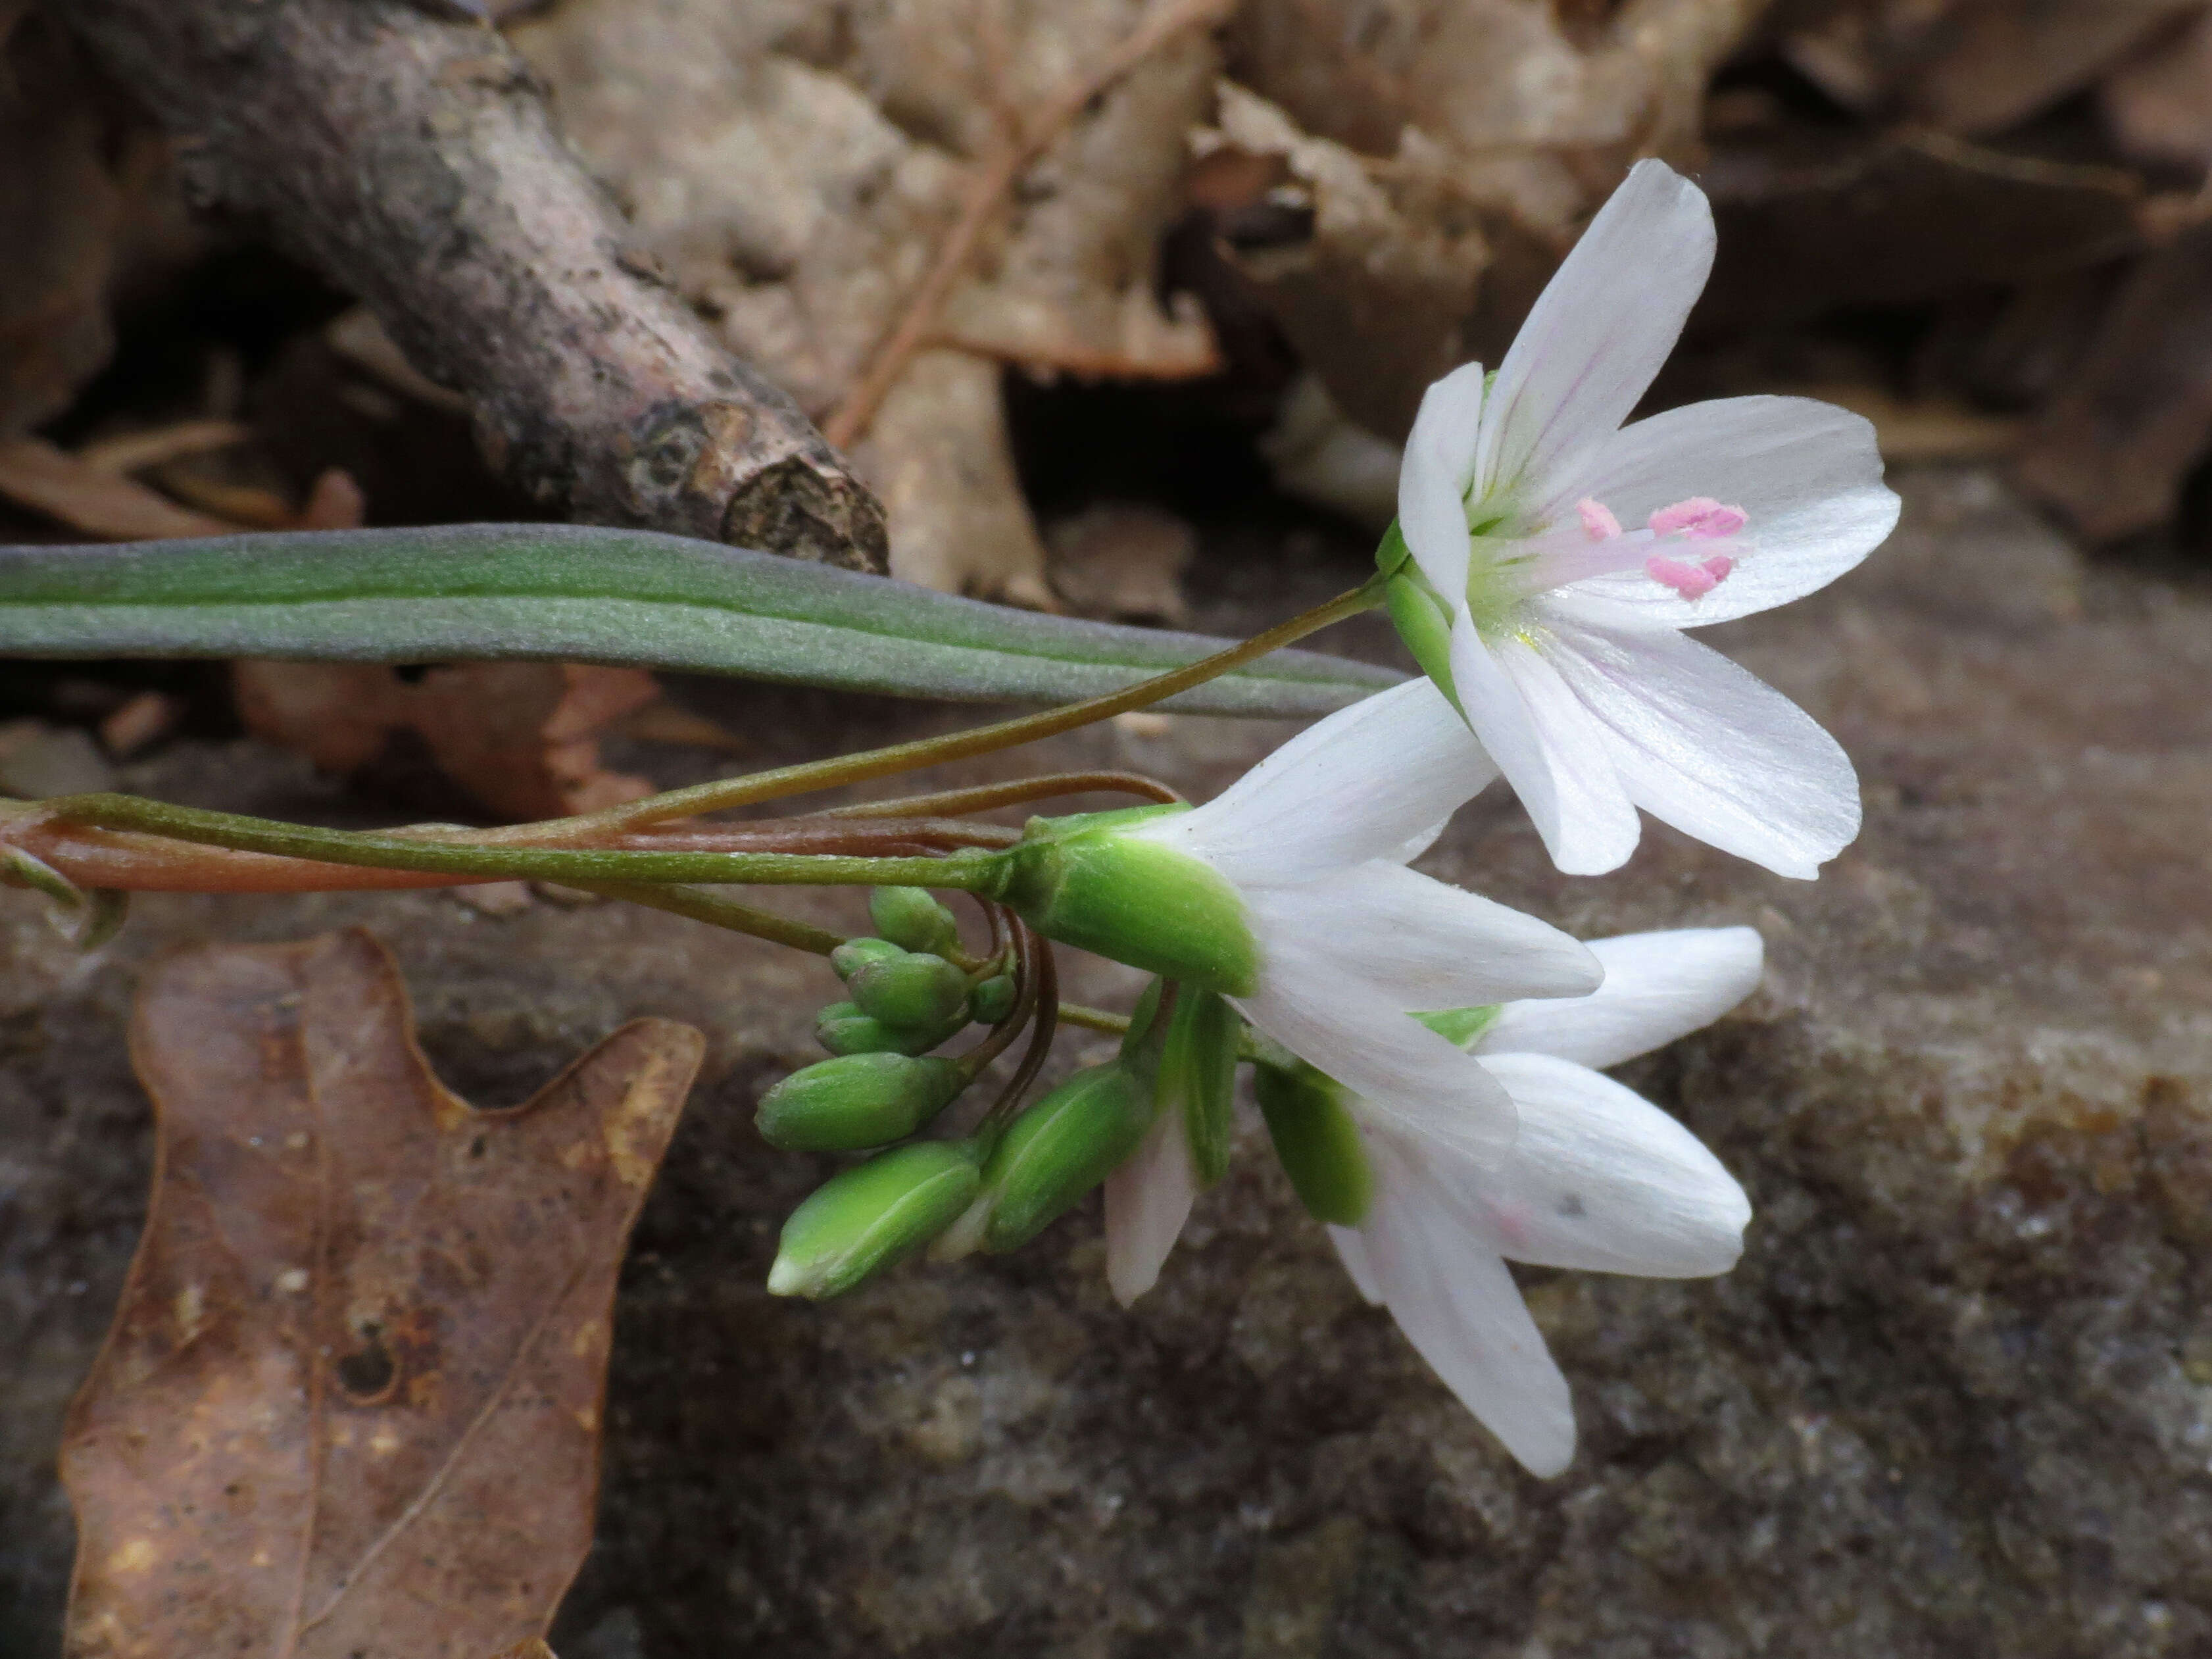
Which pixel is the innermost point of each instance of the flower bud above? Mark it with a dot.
(991, 1002)
(842, 1029)
(869, 1217)
(855, 954)
(910, 990)
(1060, 1148)
(1316, 1140)
(910, 917)
(856, 1101)
(1086, 881)
(1198, 1074)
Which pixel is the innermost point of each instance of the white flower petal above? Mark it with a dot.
(1148, 1200)
(1602, 1181)
(1359, 1037)
(1420, 942)
(1432, 480)
(1351, 1250)
(1359, 785)
(1706, 745)
(1806, 475)
(1598, 332)
(1555, 757)
(1456, 1301)
(1657, 986)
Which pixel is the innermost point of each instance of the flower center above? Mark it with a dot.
(1688, 547)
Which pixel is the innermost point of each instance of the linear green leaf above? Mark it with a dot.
(579, 593)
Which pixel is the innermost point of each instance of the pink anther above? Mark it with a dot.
(1700, 516)
(1598, 521)
(1692, 581)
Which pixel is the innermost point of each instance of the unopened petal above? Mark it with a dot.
(1806, 475)
(1657, 986)
(1707, 746)
(1602, 1181)
(1148, 1200)
(1597, 334)
(1456, 1301)
(1362, 784)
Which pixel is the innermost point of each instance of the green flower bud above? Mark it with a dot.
(1391, 553)
(908, 916)
(1461, 1026)
(992, 1000)
(842, 1029)
(875, 1214)
(1085, 882)
(1317, 1141)
(1198, 1073)
(856, 1101)
(911, 990)
(855, 954)
(1060, 1148)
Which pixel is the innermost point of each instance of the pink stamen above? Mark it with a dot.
(1701, 518)
(1598, 522)
(1691, 581)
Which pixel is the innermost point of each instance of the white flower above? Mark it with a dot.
(1346, 940)
(1560, 630)
(1599, 1180)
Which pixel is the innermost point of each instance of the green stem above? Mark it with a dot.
(813, 775)
(968, 871)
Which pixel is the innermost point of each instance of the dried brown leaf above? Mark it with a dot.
(2111, 450)
(351, 1405)
(35, 474)
(1123, 560)
(522, 738)
(2159, 103)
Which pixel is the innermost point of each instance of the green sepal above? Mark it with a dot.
(1059, 1148)
(855, 954)
(1198, 1073)
(1317, 1141)
(912, 918)
(992, 1000)
(914, 990)
(1425, 624)
(1084, 881)
(1133, 1040)
(872, 1216)
(1460, 1027)
(1391, 555)
(842, 1029)
(857, 1101)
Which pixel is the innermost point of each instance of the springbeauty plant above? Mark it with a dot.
(1425, 1060)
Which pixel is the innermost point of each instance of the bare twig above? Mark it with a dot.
(1009, 156)
(413, 160)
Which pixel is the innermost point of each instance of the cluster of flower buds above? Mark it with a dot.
(1019, 1169)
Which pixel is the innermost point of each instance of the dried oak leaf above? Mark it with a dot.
(349, 1407)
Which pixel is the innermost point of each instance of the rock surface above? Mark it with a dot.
(1957, 1398)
